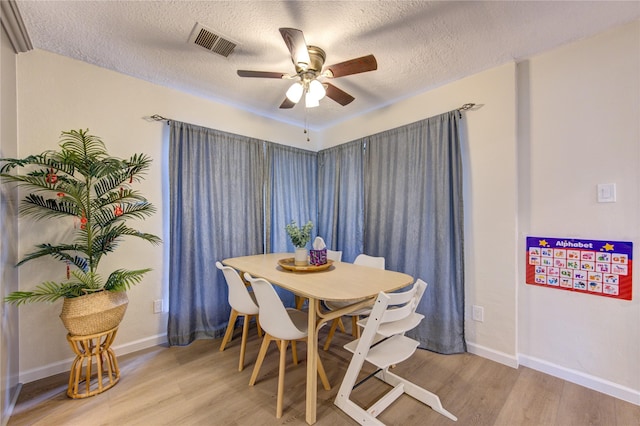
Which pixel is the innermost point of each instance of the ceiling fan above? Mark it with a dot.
(308, 61)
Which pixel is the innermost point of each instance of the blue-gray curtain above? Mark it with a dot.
(291, 193)
(414, 218)
(217, 211)
(340, 198)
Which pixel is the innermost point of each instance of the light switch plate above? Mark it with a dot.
(606, 192)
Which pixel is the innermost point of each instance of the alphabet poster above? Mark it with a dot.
(601, 268)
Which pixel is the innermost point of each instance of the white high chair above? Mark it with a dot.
(280, 325)
(384, 344)
(242, 303)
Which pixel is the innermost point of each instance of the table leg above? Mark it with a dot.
(312, 363)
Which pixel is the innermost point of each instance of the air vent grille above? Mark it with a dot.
(206, 39)
(211, 41)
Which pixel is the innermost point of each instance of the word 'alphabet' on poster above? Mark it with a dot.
(601, 268)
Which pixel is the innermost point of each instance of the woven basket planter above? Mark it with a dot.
(94, 313)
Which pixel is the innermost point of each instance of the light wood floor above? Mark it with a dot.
(198, 385)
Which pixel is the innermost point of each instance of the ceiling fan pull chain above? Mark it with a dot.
(306, 123)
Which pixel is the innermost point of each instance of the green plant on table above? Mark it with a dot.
(300, 236)
(84, 188)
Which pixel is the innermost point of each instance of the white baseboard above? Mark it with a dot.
(63, 366)
(588, 381)
(138, 345)
(493, 355)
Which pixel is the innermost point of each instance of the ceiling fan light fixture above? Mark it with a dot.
(317, 90)
(310, 101)
(309, 62)
(295, 92)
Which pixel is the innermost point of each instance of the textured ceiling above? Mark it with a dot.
(419, 45)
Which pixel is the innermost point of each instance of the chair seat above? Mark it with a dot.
(391, 351)
(396, 327)
(333, 306)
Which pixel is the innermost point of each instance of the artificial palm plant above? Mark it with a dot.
(90, 191)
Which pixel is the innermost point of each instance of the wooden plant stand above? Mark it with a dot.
(84, 381)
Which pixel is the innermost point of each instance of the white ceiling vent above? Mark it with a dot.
(212, 41)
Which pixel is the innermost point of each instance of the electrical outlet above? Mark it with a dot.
(478, 313)
(157, 306)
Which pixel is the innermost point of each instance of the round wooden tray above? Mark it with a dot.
(289, 265)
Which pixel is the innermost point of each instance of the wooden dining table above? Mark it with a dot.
(341, 282)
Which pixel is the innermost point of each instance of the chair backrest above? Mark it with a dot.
(399, 312)
(403, 304)
(274, 318)
(366, 260)
(334, 255)
(239, 297)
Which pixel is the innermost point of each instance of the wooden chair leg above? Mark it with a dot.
(283, 354)
(229, 333)
(258, 326)
(355, 330)
(294, 350)
(243, 345)
(332, 331)
(261, 354)
(323, 375)
(341, 325)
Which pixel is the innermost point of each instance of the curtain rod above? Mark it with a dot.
(157, 117)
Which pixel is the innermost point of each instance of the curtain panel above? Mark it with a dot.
(217, 211)
(291, 193)
(414, 218)
(340, 198)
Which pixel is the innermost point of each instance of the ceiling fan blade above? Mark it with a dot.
(294, 39)
(353, 66)
(287, 104)
(260, 74)
(338, 95)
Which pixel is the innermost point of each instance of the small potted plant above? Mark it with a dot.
(90, 193)
(300, 237)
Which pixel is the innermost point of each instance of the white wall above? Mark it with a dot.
(580, 126)
(57, 93)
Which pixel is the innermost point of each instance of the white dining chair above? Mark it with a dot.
(282, 325)
(334, 255)
(243, 303)
(364, 260)
(384, 344)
